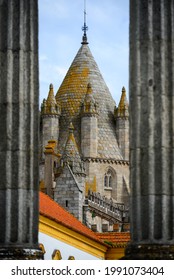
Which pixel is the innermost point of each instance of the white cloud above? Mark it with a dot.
(43, 57)
(53, 8)
(50, 73)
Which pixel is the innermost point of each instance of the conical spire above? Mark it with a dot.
(71, 95)
(71, 153)
(123, 108)
(49, 105)
(51, 98)
(71, 137)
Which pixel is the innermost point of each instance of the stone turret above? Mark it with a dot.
(89, 125)
(50, 112)
(122, 125)
(69, 190)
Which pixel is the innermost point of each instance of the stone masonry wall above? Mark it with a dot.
(89, 136)
(120, 188)
(68, 194)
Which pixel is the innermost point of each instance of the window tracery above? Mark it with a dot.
(108, 179)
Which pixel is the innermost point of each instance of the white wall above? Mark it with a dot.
(66, 250)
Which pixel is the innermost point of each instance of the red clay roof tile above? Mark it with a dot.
(52, 210)
(114, 237)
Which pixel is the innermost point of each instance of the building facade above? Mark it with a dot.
(84, 146)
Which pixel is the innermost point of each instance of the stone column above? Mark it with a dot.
(152, 129)
(19, 129)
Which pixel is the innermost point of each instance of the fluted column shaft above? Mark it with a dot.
(152, 121)
(19, 123)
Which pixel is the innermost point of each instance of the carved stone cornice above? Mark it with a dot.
(89, 114)
(106, 160)
(50, 116)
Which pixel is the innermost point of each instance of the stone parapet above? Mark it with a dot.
(107, 208)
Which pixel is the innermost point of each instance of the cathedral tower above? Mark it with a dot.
(92, 160)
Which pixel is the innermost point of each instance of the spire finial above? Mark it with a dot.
(85, 27)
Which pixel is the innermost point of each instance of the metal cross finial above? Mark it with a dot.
(85, 27)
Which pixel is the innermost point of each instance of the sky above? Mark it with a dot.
(60, 36)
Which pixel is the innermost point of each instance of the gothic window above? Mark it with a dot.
(108, 179)
(105, 180)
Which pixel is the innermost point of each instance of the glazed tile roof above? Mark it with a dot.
(71, 94)
(52, 210)
(114, 238)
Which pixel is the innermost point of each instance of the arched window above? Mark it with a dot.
(105, 180)
(108, 179)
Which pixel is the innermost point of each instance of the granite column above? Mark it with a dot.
(152, 129)
(19, 129)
